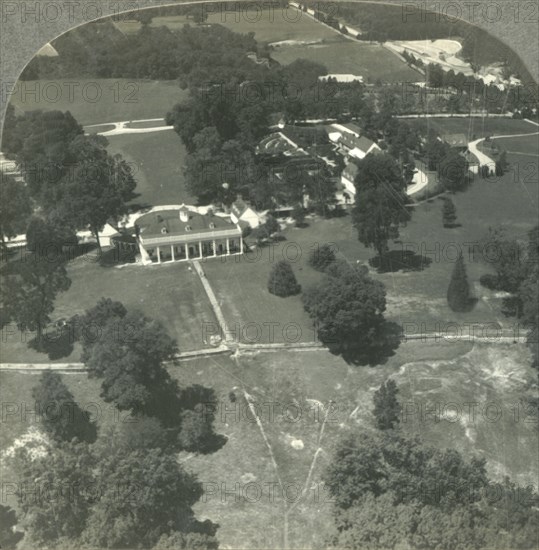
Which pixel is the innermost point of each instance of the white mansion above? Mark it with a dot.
(181, 234)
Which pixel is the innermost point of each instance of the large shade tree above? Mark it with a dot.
(346, 306)
(30, 287)
(380, 207)
(143, 495)
(97, 189)
(392, 491)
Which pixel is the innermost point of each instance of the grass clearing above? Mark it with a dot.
(99, 100)
(474, 127)
(170, 293)
(173, 22)
(157, 160)
(371, 61)
(274, 25)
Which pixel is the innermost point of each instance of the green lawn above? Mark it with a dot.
(274, 25)
(96, 101)
(169, 293)
(157, 159)
(173, 22)
(269, 25)
(371, 61)
(474, 127)
(520, 146)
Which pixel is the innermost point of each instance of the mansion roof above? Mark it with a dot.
(168, 225)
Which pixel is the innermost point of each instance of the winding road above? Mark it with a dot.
(485, 160)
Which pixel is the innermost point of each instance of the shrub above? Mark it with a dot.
(282, 281)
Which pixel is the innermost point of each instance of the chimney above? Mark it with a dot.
(184, 214)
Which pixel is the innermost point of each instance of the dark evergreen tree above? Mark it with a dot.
(387, 408)
(282, 281)
(458, 293)
(449, 213)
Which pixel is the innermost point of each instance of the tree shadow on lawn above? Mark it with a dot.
(400, 260)
(114, 256)
(384, 346)
(56, 345)
(452, 225)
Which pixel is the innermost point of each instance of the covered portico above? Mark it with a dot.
(183, 235)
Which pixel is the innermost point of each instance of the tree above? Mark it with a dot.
(381, 200)
(143, 495)
(128, 355)
(458, 293)
(64, 491)
(89, 327)
(321, 257)
(47, 237)
(145, 17)
(40, 142)
(15, 207)
(449, 212)
(501, 164)
(435, 151)
(30, 289)
(507, 257)
(282, 281)
(392, 491)
(453, 171)
(98, 188)
(59, 414)
(387, 408)
(196, 434)
(346, 306)
(272, 225)
(299, 215)
(8, 522)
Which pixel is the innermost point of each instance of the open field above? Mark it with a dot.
(96, 101)
(173, 22)
(241, 483)
(520, 146)
(157, 160)
(275, 25)
(371, 61)
(473, 127)
(169, 293)
(269, 25)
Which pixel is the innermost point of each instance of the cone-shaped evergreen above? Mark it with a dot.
(387, 408)
(282, 281)
(449, 213)
(458, 293)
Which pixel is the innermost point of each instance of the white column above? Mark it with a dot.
(200, 248)
(227, 247)
(241, 245)
(214, 248)
(186, 251)
(158, 255)
(172, 252)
